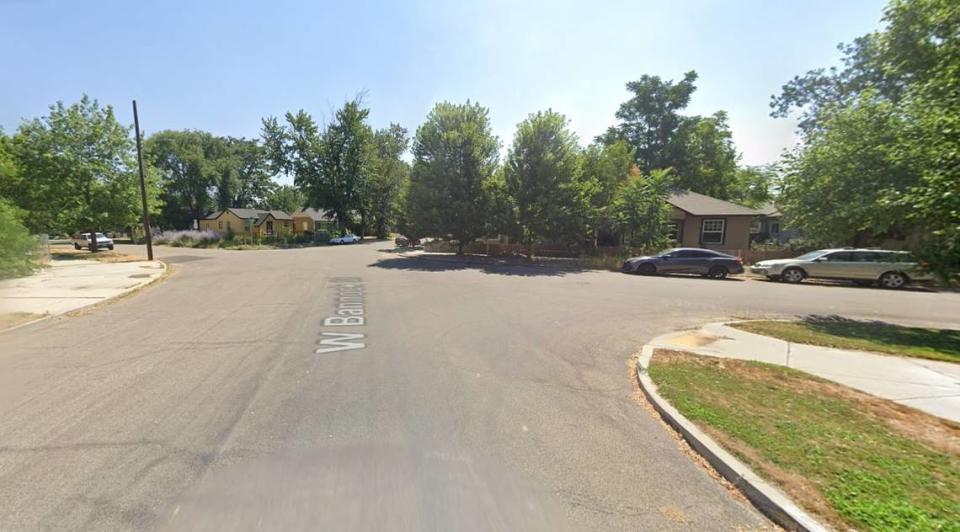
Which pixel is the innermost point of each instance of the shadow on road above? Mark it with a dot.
(490, 265)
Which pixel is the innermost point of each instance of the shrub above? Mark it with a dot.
(189, 238)
(18, 248)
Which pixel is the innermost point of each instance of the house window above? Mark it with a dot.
(673, 231)
(755, 227)
(219, 226)
(774, 228)
(305, 226)
(228, 227)
(269, 228)
(712, 231)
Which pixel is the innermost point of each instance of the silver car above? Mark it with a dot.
(889, 269)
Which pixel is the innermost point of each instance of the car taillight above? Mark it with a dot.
(739, 260)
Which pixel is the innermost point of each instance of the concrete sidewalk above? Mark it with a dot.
(68, 285)
(928, 385)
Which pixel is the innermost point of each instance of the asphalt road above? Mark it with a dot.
(486, 397)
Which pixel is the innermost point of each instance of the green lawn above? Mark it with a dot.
(852, 459)
(935, 344)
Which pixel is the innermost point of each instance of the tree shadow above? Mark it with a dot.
(489, 265)
(943, 340)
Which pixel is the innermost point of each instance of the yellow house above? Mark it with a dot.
(250, 222)
(311, 220)
(702, 221)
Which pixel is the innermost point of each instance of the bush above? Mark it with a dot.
(189, 238)
(18, 249)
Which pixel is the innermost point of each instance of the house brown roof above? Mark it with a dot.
(277, 215)
(313, 214)
(702, 205)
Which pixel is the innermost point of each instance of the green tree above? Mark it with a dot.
(284, 198)
(19, 249)
(650, 120)
(705, 159)
(541, 172)
(77, 170)
(454, 154)
(753, 185)
(604, 168)
(182, 159)
(389, 178)
(332, 167)
(836, 186)
(241, 172)
(903, 77)
(642, 211)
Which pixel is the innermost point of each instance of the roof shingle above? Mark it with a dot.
(701, 205)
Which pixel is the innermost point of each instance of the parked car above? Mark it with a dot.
(705, 262)
(889, 269)
(345, 239)
(401, 241)
(82, 240)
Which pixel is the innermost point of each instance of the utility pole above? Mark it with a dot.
(143, 185)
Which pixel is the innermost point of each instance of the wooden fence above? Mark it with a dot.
(499, 249)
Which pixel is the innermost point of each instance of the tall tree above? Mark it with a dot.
(332, 167)
(182, 160)
(650, 119)
(454, 154)
(284, 198)
(76, 170)
(241, 172)
(389, 178)
(604, 168)
(897, 87)
(705, 159)
(541, 172)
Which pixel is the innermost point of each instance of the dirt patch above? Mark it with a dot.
(693, 339)
(68, 253)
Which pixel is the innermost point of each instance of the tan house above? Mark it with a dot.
(701, 221)
(311, 220)
(251, 222)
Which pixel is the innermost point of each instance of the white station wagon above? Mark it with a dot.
(82, 241)
(889, 269)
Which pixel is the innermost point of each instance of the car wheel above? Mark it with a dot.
(893, 280)
(718, 272)
(646, 269)
(793, 275)
(76, 246)
(110, 247)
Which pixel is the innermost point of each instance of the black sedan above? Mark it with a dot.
(705, 262)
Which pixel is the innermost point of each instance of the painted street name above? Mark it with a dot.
(349, 311)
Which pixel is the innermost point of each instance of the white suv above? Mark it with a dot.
(889, 269)
(82, 241)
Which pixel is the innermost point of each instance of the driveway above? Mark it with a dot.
(475, 396)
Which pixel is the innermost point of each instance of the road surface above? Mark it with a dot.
(473, 397)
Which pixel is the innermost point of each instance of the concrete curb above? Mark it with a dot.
(766, 498)
(163, 274)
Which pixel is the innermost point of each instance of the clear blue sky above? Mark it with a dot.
(222, 65)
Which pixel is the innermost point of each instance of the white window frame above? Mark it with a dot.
(774, 228)
(722, 231)
(755, 227)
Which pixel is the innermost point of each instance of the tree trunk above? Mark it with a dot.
(93, 241)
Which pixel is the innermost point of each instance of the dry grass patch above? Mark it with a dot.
(12, 319)
(105, 255)
(851, 458)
